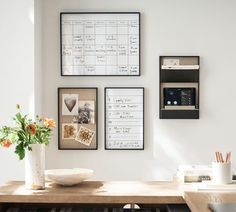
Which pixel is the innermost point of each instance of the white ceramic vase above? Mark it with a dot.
(35, 167)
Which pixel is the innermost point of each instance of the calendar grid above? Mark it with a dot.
(100, 47)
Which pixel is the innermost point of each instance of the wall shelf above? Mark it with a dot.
(179, 87)
(179, 75)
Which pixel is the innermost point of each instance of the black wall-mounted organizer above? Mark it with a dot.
(179, 87)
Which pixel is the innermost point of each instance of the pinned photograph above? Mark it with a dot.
(85, 136)
(69, 131)
(70, 104)
(85, 113)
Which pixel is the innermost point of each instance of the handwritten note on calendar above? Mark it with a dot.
(124, 118)
(100, 44)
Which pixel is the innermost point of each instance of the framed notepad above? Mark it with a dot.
(124, 118)
(100, 44)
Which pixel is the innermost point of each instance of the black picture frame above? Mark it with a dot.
(59, 89)
(117, 75)
(105, 117)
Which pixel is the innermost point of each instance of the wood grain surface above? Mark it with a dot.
(95, 192)
(198, 201)
(120, 192)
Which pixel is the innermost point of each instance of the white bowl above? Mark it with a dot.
(68, 177)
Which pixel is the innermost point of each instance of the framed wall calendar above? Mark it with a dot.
(77, 118)
(100, 44)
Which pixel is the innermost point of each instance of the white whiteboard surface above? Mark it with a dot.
(100, 44)
(124, 118)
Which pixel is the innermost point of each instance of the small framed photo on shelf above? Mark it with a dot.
(124, 118)
(77, 118)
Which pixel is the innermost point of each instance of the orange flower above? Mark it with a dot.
(31, 128)
(49, 123)
(6, 143)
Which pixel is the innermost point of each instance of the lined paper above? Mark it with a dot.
(100, 44)
(124, 118)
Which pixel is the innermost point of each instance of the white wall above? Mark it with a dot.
(17, 73)
(38, 56)
(184, 27)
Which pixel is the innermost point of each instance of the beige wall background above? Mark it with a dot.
(187, 27)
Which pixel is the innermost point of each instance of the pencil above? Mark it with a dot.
(221, 158)
(218, 157)
(229, 157)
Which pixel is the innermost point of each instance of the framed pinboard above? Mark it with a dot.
(77, 118)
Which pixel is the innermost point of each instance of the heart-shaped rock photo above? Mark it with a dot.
(70, 103)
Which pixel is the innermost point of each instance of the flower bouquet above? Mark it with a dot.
(29, 138)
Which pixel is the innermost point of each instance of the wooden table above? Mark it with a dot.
(120, 192)
(95, 192)
(198, 201)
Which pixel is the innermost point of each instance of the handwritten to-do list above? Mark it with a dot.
(124, 118)
(100, 43)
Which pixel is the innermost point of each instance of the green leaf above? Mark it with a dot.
(20, 151)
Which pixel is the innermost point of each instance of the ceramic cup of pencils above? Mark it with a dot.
(222, 169)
